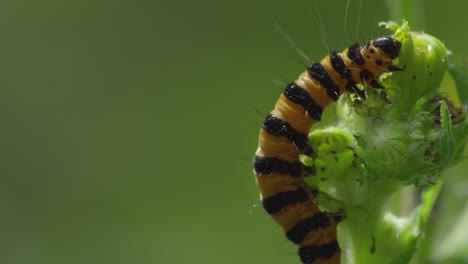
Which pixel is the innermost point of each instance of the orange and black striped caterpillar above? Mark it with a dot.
(283, 137)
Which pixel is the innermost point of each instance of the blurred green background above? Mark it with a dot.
(128, 126)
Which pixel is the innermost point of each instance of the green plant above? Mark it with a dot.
(377, 157)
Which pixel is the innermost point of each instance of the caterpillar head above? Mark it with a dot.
(388, 45)
(379, 54)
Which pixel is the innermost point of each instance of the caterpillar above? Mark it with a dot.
(283, 137)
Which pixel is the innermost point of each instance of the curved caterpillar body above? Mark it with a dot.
(283, 137)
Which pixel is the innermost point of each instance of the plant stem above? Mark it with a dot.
(410, 10)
